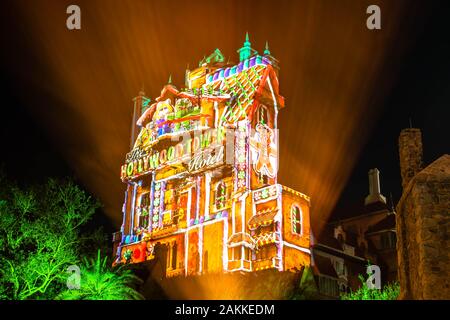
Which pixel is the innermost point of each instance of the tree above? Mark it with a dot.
(40, 236)
(99, 281)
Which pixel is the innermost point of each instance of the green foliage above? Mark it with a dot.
(99, 281)
(40, 236)
(388, 292)
(127, 255)
(307, 288)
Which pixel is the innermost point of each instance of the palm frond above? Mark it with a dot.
(99, 281)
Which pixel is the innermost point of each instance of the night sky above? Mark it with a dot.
(420, 96)
(66, 95)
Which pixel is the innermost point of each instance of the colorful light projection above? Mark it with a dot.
(329, 94)
(330, 83)
(194, 150)
(264, 151)
(212, 215)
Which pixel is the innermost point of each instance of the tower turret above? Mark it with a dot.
(246, 51)
(140, 105)
(268, 56)
(266, 49)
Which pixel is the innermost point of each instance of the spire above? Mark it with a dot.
(246, 51)
(142, 92)
(170, 79)
(266, 51)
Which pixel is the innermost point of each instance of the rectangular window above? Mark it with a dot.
(145, 200)
(143, 219)
(247, 253)
(339, 266)
(237, 253)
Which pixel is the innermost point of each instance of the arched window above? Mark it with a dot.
(296, 216)
(220, 197)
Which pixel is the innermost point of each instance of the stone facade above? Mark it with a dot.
(410, 147)
(423, 220)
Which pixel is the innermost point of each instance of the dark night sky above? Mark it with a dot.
(422, 94)
(419, 89)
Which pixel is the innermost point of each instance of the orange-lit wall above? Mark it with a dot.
(302, 240)
(213, 247)
(193, 252)
(294, 258)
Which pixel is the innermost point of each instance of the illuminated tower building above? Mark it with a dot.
(202, 175)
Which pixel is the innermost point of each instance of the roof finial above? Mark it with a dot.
(170, 79)
(267, 51)
(247, 43)
(246, 51)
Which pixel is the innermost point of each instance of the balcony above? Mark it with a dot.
(234, 265)
(268, 263)
(180, 121)
(242, 265)
(170, 273)
(267, 238)
(163, 231)
(247, 265)
(266, 193)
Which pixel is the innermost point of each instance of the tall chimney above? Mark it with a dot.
(410, 151)
(374, 188)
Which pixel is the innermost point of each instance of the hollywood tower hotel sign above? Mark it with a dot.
(201, 175)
